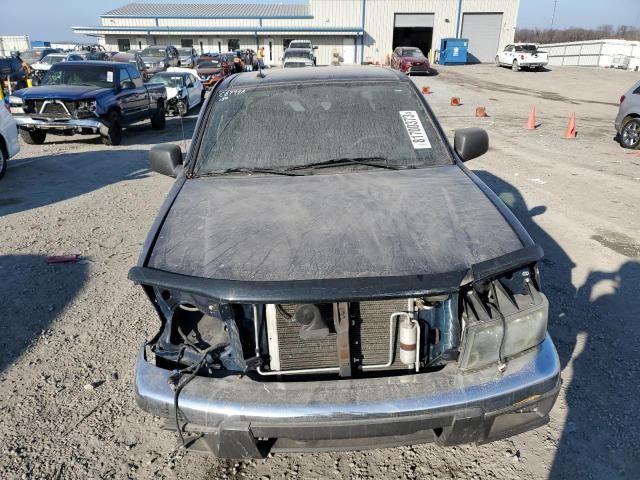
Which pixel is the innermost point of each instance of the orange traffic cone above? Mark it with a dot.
(531, 124)
(455, 102)
(570, 132)
(481, 112)
(426, 90)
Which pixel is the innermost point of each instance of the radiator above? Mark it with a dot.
(369, 324)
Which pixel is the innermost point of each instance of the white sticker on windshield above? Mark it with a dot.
(414, 128)
(109, 76)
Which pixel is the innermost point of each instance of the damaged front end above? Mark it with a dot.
(312, 370)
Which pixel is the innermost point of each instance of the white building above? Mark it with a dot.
(356, 30)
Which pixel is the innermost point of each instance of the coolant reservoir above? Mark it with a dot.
(408, 341)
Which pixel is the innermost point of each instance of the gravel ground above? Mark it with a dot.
(69, 333)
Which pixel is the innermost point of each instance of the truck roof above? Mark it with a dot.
(309, 75)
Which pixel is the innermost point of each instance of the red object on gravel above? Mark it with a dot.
(64, 258)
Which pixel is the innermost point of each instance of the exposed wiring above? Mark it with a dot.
(283, 312)
(184, 306)
(192, 370)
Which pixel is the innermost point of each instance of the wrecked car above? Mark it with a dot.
(88, 97)
(328, 275)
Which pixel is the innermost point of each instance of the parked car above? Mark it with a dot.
(628, 120)
(34, 55)
(9, 144)
(410, 60)
(184, 89)
(521, 55)
(297, 57)
(303, 45)
(87, 97)
(134, 59)
(188, 57)
(364, 291)
(211, 69)
(249, 57)
(12, 75)
(159, 58)
(100, 55)
(39, 69)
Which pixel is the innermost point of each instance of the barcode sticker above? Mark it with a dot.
(414, 128)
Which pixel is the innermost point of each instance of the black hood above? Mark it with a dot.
(333, 226)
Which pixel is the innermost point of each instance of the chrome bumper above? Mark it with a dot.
(241, 417)
(62, 124)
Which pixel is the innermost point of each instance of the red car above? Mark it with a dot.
(410, 60)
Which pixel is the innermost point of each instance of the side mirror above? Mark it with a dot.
(166, 159)
(470, 143)
(315, 47)
(127, 85)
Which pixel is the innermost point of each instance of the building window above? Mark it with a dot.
(124, 45)
(233, 44)
(186, 43)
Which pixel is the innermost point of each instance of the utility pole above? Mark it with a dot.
(553, 15)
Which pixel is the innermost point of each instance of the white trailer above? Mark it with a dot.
(13, 43)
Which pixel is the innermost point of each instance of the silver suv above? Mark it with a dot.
(628, 119)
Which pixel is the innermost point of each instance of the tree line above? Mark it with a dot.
(555, 35)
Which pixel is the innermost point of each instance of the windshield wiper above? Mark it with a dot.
(249, 170)
(338, 162)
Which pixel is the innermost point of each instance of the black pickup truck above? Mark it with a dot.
(87, 98)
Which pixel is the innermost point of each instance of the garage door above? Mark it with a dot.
(483, 31)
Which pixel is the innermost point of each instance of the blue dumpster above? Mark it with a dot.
(453, 51)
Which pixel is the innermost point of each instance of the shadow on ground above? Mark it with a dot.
(32, 299)
(598, 340)
(38, 181)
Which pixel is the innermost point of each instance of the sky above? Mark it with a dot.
(51, 20)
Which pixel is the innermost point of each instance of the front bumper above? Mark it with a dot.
(75, 124)
(241, 417)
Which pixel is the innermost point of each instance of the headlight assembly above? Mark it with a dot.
(87, 106)
(502, 324)
(15, 101)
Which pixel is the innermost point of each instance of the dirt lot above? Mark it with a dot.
(69, 333)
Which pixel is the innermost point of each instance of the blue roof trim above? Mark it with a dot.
(220, 29)
(217, 17)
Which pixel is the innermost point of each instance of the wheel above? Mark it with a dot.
(114, 136)
(159, 118)
(3, 162)
(630, 134)
(497, 60)
(515, 67)
(183, 107)
(33, 137)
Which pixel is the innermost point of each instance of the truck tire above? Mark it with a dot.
(515, 67)
(114, 136)
(630, 134)
(3, 161)
(158, 119)
(33, 137)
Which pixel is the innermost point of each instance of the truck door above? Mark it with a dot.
(141, 99)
